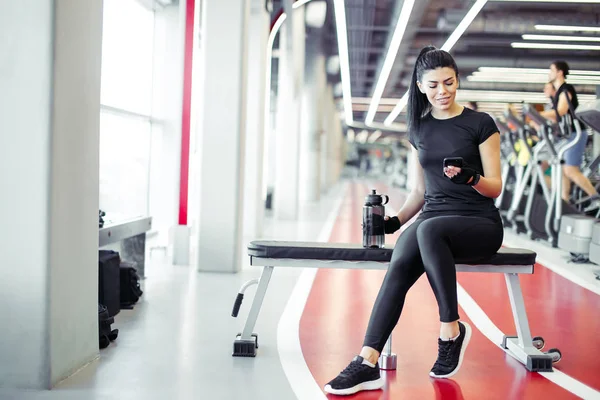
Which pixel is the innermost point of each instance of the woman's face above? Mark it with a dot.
(439, 85)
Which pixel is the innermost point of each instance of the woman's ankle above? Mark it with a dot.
(370, 354)
(449, 330)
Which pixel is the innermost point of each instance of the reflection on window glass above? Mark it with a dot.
(127, 50)
(124, 164)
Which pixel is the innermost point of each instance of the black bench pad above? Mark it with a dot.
(355, 252)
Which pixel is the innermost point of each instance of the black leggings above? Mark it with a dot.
(430, 245)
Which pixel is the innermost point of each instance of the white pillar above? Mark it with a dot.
(223, 127)
(311, 123)
(50, 53)
(325, 142)
(289, 115)
(332, 133)
(339, 147)
(254, 202)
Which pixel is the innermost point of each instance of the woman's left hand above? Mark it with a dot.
(451, 171)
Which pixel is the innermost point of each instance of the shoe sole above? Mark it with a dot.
(462, 353)
(370, 385)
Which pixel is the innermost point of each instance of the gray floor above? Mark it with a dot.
(177, 342)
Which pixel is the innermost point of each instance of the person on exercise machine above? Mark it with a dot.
(457, 176)
(565, 100)
(549, 92)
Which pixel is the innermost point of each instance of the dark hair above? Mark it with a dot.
(429, 58)
(562, 66)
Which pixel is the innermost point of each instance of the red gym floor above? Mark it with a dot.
(337, 311)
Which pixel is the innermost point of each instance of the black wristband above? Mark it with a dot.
(392, 225)
(475, 180)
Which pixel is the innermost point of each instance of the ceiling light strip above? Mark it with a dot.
(527, 78)
(390, 57)
(551, 1)
(562, 38)
(554, 46)
(397, 110)
(342, 39)
(532, 71)
(447, 46)
(567, 28)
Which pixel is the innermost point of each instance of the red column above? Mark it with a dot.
(186, 112)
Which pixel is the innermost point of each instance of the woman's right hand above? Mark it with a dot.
(391, 224)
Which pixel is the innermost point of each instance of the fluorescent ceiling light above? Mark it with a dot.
(315, 14)
(564, 38)
(495, 96)
(530, 79)
(551, 1)
(367, 100)
(300, 3)
(351, 135)
(398, 127)
(374, 136)
(509, 96)
(463, 25)
(397, 110)
(544, 71)
(390, 57)
(447, 46)
(362, 136)
(364, 107)
(342, 39)
(519, 77)
(568, 28)
(521, 45)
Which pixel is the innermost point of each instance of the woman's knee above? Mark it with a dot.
(401, 263)
(430, 231)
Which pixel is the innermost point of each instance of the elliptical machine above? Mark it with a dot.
(577, 231)
(542, 200)
(589, 114)
(515, 214)
(509, 178)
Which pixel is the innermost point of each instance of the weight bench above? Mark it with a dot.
(510, 262)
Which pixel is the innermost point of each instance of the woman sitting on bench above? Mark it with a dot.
(457, 175)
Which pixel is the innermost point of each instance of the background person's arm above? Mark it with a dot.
(416, 198)
(562, 107)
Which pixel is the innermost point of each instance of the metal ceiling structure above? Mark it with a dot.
(485, 43)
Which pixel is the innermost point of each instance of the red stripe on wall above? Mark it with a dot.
(186, 113)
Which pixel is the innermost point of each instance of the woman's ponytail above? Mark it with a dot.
(417, 101)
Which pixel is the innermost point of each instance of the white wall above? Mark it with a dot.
(25, 79)
(75, 186)
(49, 171)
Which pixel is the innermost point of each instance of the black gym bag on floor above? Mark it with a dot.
(106, 333)
(109, 281)
(130, 285)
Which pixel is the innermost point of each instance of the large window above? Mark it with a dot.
(127, 55)
(124, 164)
(126, 98)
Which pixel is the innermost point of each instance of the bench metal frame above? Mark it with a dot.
(520, 346)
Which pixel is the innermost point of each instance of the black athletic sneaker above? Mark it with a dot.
(356, 377)
(451, 353)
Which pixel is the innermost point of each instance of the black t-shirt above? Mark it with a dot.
(565, 87)
(568, 89)
(459, 136)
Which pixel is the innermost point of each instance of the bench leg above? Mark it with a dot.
(245, 345)
(521, 346)
(387, 359)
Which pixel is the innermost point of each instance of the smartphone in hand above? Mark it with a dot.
(453, 161)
